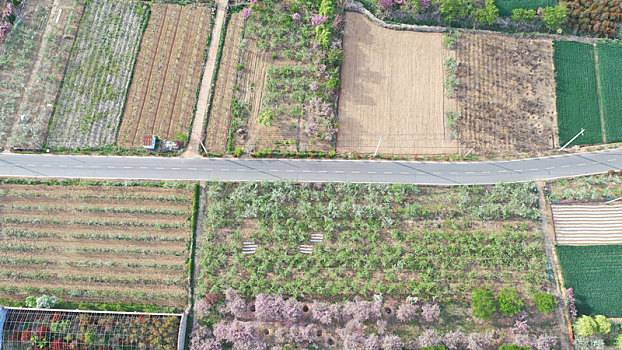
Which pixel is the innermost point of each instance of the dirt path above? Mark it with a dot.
(548, 234)
(206, 83)
(600, 96)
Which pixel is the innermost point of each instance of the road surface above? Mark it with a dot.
(231, 169)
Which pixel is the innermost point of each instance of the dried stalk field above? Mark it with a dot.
(506, 94)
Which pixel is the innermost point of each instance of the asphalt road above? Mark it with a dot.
(205, 169)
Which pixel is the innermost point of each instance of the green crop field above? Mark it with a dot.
(595, 274)
(610, 73)
(577, 92)
(506, 6)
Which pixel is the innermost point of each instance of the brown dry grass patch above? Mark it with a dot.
(506, 94)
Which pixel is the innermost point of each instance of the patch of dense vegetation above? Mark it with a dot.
(393, 239)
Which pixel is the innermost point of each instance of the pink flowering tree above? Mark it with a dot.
(234, 303)
(406, 312)
(454, 340)
(392, 342)
(429, 338)
(296, 16)
(385, 4)
(318, 19)
(268, 307)
(430, 312)
(246, 12)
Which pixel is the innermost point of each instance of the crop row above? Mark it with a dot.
(89, 293)
(86, 263)
(19, 276)
(18, 233)
(41, 194)
(45, 221)
(610, 74)
(89, 209)
(35, 248)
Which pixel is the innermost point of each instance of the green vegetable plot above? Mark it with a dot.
(610, 73)
(595, 274)
(577, 92)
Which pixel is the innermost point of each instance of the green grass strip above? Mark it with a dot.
(610, 73)
(506, 6)
(595, 274)
(577, 92)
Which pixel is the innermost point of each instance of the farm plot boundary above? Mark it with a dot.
(610, 75)
(595, 274)
(162, 94)
(94, 89)
(505, 94)
(399, 97)
(96, 241)
(35, 71)
(577, 92)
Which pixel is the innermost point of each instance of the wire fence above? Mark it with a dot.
(22, 329)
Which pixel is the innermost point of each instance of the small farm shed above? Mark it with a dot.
(23, 328)
(149, 141)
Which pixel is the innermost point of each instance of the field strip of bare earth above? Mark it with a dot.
(207, 169)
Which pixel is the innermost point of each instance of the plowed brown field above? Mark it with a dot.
(392, 87)
(91, 242)
(168, 69)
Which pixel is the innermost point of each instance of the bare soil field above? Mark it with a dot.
(31, 68)
(392, 87)
(219, 118)
(84, 241)
(506, 94)
(168, 69)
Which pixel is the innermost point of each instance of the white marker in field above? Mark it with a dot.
(572, 139)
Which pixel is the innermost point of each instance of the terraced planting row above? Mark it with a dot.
(90, 241)
(94, 89)
(168, 69)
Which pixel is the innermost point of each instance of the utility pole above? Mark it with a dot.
(201, 142)
(572, 139)
(377, 147)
